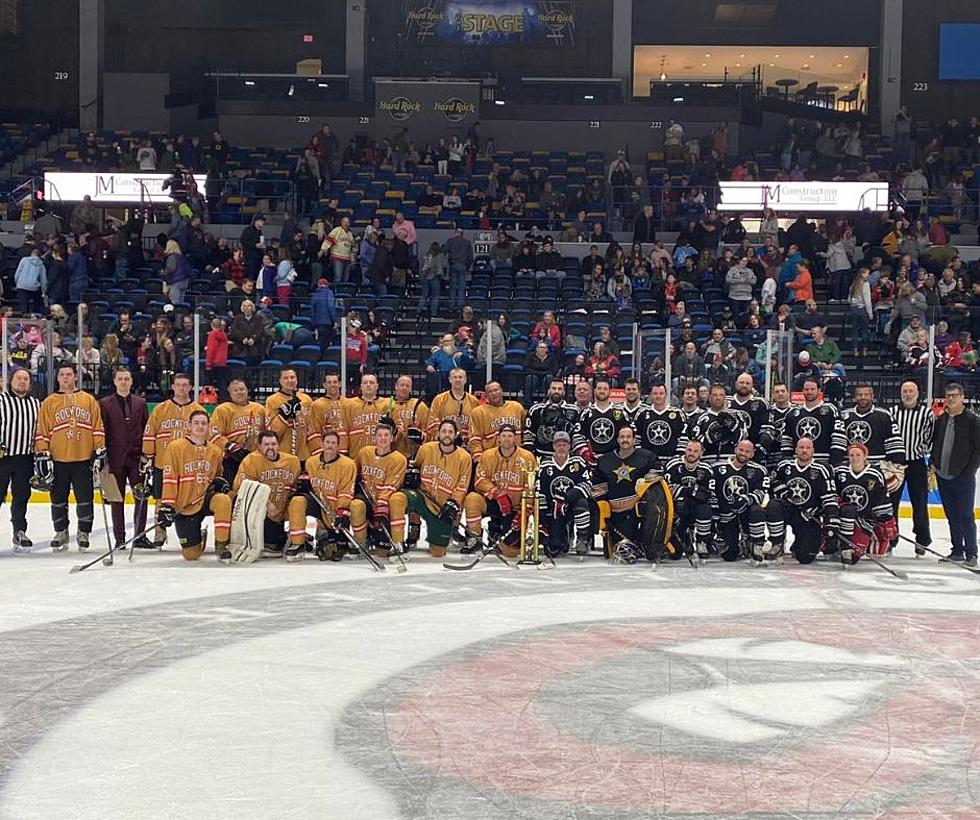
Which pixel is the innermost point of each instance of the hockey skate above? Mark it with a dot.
(295, 552)
(83, 541)
(21, 542)
(772, 554)
(582, 547)
(144, 543)
(60, 541)
(159, 537)
(223, 553)
(472, 544)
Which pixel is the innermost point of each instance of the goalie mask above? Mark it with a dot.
(626, 552)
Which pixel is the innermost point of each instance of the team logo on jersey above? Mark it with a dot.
(744, 419)
(798, 490)
(735, 488)
(855, 494)
(809, 427)
(623, 472)
(658, 433)
(546, 434)
(560, 486)
(858, 432)
(602, 431)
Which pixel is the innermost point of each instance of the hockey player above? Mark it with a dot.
(719, 429)
(280, 472)
(871, 426)
(487, 419)
(815, 420)
(380, 473)
(738, 490)
(755, 414)
(409, 414)
(621, 478)
(598, 426)
(287, 414)
(501, 476)
(70, 443)
(444, 470)
(867, 521)
(780, 407)
(804, 498)
(362, 414)
(546, 418)
(690, 409)
(660, 428)
(332, 477)
(194, 488)
(327, 412)
(235, 427)
(564, 499)
(632, 400)
(689, 479)
(168, 422)
(455, 403)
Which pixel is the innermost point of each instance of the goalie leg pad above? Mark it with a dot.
(247, 531)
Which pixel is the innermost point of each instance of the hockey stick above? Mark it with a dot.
(332, 521)
(492, 548)
(937, 554)
(876, 561)
(97, 480)
(402, 566)
(120, 547)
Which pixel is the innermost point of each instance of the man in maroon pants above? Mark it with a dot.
(124, 417)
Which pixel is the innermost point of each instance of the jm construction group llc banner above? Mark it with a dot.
(537, 23)
(429, 109)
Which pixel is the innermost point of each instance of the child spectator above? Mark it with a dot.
(216, 355)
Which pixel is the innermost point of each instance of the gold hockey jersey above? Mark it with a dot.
(496, 473)
(361, 420)
(69, 426)
(411, 413)
(306, 436)
(280, 476)
(332, 482)
(444, 476)
(188, 469)
(380, 475)
(237, 424)
(447, 406)
(486, 420)
(328, 414)
(168, 422)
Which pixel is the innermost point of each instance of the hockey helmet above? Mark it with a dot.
(626, 551)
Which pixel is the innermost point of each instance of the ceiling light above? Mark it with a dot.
(249, 82)
(323, 85)
(806, 66)
(772, 65)
(589, 97)
(663, 76)
(499, 102)
(811, 56)
(741, 55)
(678, 99)
(703, 64)
(847, 56)
(778, 55)
(707, 55)
(292, 90)
(738, 65)
(840, 65)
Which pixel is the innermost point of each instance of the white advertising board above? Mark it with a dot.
(110, 188)
(809, 197)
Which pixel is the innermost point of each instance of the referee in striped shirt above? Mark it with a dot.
(915, 421)
(18, 425)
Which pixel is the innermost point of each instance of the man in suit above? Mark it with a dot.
(124, 417)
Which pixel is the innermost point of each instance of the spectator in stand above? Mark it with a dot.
(603, 364)
(382, 268)
(938, 235)
(459, 258)
(355, 350)
(550, 328)
(674, 141)
(339, 245)
(432, 271)
(862, 312)
(146, 156)
(252, 243)
(248, 335)
(176, 272)
(540, 366)
(324, 314)
(808, 320)
(285, 276)
(404, 229)
(688, 368)
(503, 251)
(645, 225)
(915, 188)
(493, 344)
(961, 356)
(827, 357)
(444, 358)
(31, 282)
(740, 280)
(599, 236)
(943, 337)
(549, 260)
(801, 286)
(234, 270)
(618, 283)
(216, 356)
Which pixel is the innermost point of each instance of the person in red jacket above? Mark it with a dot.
(356, 349)
(603, 363)
(550, 326)
(234, 270)
(802, 285)
(216, 356)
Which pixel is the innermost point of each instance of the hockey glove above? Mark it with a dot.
(379, 520)
(146, 467)
(100, 459)
(449, 512)
(289, 409)
(886, 532)
(44, 467)
(166, 515)
(504, 505)
(413, 479)
(589, 456)
(219, 485)
(342, 520)
(303, 485)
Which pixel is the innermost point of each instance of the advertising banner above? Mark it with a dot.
(538, 23)
(812, 197)
(428, 108)
(110, 188)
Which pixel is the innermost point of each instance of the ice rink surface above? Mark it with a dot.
(161, 689)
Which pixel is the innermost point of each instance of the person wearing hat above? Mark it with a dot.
(564, 485)
(803, 369)
(324, 314)
(867, 520)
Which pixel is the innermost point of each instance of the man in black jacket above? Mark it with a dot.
(253, 246)
(956, 458)
(645, 226)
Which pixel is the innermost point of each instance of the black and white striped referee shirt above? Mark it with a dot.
(915, 426)
(18, 423)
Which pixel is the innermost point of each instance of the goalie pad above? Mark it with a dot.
(894, 475)
(656, 509)
(247, 537)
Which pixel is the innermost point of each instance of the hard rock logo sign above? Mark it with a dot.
(454, 109)
(400, 108)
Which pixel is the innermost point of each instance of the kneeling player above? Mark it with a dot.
(436, 491)
(500, 479)
(381, 473)
(867, 520)
(564, 499)
(280, 472)
(332, 477)
(738, 488)
(690, 483)
(193, 488)
(803, 498)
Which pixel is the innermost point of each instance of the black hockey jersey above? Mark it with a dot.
(876, 430)
(544, 419)
(688, 484)
(598, 429)
(554, 482)
(718, 434)
(777, 421)
(734, 490)
(755, 414)
(663, 433)
(632, 412)
(810, 489)
(866, 491)
(818, 423)
(615, 478)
